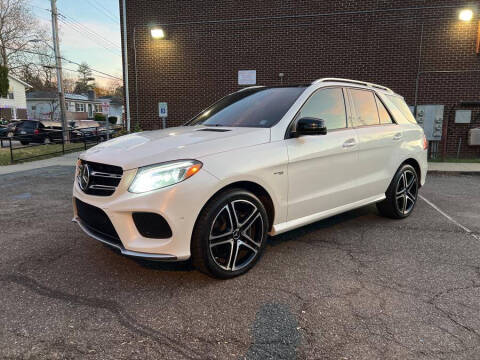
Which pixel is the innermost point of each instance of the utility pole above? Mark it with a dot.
(58, 59)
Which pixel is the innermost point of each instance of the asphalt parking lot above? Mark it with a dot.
(356, 286)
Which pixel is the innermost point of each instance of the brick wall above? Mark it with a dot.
(371, 40)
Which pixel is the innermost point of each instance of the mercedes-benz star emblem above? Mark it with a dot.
(84, 176)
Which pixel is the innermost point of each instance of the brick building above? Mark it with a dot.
(389, 42)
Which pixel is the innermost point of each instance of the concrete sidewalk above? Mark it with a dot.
(64, 160)
(450, 167)
(71, 158)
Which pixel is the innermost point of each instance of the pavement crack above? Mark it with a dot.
(112, 306)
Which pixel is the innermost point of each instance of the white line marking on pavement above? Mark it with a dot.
(464, 228)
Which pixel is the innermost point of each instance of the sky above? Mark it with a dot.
(89, 32)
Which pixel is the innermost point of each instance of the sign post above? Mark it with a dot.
(163, 113)
(105, 111)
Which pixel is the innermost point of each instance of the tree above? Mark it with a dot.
(20, 34)
(115, 88)
(101, 91)
(4, 83)
(24, 44)
(85, 76)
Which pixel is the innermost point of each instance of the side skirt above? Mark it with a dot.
(296, 223)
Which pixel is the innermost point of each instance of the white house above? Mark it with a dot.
(115, 107)
(14, 106)
(43, 105)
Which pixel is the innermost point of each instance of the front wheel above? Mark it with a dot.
(230, 234)
(401, 195)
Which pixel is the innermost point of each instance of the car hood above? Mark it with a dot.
(185, 142)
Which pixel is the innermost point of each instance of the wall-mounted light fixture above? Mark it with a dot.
(157, 33)
(465, 15)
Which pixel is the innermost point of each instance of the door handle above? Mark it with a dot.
(397, 136)
(349, 143)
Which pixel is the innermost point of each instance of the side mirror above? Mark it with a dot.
(311, 126)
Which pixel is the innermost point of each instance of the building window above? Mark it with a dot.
(10, 95)
(98, 108)
(79, 107)
(34, 108)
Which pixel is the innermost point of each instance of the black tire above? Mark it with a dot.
(401, 195)
(24, 142)
(218, 235)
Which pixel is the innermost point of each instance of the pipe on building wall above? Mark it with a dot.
(125, 63)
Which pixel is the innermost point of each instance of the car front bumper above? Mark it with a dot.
(179, 205)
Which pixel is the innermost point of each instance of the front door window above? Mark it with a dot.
(90, 111)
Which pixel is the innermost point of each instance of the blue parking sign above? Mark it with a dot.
(163, 109)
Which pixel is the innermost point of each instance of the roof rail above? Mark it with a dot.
(364, 83)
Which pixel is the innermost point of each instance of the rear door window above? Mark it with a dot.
(365, 108)
(385, 117)
(400, 104)
(328, 105)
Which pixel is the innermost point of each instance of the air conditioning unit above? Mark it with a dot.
(474, 137)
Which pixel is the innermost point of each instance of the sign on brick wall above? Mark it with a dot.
(247, 77)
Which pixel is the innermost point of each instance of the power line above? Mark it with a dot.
(104, 10)
(87, 32)
(92, 32)
(67, 60)
(93, 39)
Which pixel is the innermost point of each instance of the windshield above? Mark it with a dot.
(256, 107)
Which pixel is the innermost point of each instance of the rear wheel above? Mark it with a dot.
(230, 234)
(24, 142)
(401, 195)
(47, 140)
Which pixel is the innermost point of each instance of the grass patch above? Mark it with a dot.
(455, 160)
(38, 152)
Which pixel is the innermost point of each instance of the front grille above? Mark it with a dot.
(103, 179)
(97, 221)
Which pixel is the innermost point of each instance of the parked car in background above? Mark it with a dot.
(34, 131)
(263, 160)
(3, 131)
(7, 130)
(88, 130)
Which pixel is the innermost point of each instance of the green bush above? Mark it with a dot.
(119, 133)
(100, 117)
(112, 120)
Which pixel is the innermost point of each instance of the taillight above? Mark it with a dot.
(36, 131)
(425, 142)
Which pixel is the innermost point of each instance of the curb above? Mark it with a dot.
(454, 172)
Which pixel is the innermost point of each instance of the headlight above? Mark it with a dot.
(157, 176)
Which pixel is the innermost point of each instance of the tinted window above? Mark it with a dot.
(27, 125)
(383, 113)
(326, 104)
(365, 107)
(402, 107)
(256, 107)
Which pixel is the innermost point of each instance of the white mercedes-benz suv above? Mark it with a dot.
(258, 162)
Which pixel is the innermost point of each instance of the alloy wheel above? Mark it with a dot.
(236, 235)
(406, 192)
